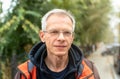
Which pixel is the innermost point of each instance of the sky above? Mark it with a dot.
(116, 8)
(116, 5)
(115, 20)
(5, 6)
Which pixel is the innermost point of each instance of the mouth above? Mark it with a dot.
(60, 46)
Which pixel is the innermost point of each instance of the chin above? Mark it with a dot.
(61, 53)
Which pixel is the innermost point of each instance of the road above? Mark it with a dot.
(104, 65)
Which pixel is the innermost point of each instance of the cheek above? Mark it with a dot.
(70, 40)
(49, 40)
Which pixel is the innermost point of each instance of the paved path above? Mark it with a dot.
(104, 65)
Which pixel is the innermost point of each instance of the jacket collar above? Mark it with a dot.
(38, 53)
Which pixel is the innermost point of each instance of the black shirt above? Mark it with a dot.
(48, 74)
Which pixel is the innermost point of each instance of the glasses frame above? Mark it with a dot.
(56, 33)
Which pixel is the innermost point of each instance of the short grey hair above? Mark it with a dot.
(45, 17)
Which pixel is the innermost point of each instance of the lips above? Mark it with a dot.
(60, 46)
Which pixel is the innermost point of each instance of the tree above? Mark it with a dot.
(0, 7)
(93, 20)
(118, 29)
(18, 31)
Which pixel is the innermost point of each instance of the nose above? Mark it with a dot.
(61, 36)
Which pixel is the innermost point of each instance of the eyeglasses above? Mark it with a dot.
(56, 33)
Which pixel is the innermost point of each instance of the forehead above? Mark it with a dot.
(59, 21)
(61, 16)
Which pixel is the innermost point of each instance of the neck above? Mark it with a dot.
(56, 63)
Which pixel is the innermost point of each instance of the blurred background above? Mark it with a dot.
(97, 28)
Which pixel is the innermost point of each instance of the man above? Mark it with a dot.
(56, 57)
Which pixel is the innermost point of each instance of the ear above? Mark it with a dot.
(42, 36)
(72, 38)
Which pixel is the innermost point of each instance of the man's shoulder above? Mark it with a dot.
(23, 66)
(24, 63)
(91, 65)
(88, 62)
(24, 69)
(26, 66)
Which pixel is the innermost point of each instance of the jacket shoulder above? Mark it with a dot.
(23, 70)
(89, 66)
(23, 67)
(27, 69)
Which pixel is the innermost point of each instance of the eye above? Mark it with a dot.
(67, 33)
(54, 32)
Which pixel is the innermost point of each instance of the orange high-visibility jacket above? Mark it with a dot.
(87, 73)
(83, 69)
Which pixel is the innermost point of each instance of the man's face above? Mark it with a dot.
(58, 36)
